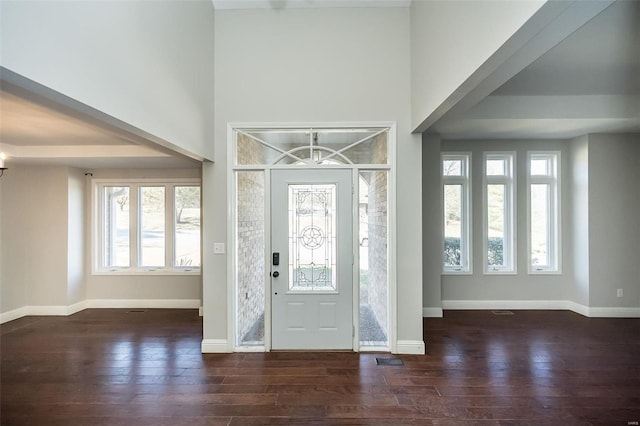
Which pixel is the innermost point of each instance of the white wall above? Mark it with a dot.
(450, 40)
(147, 63)
(34, 237)
(614, 224)
(522, 286)
(309, 66)
(579, 160)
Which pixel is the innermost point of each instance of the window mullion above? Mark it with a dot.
(134, 225)
(169, 226)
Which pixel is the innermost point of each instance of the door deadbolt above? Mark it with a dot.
(276, 274)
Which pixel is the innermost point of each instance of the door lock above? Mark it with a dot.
(276, 274)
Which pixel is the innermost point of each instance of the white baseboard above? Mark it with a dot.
(215, 346)
(578, 308)
(144, 303)
(505, 304)
(25, 311)
(598, 312)
(410, 347)
(201, 311)
(431, 312)
(77, 307)
(55, 311)
(14, 314)
(587, 311)
(99, 303)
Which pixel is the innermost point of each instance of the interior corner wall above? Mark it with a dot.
(579, 160)
(614, 228)
(315, 66)
(522, 286)
(76, 237)
(34, 237)
(431, 223)
(149, 64)
(450, 40)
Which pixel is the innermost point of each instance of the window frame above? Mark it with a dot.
(466, 242)
(510, 181)
(135, 240)
(553, 215)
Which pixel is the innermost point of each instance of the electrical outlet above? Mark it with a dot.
(620, 293)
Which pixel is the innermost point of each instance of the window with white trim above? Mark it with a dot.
(499, 213)
(543, 212)
(456, 213)
(147, 226)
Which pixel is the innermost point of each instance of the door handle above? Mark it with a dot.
(276, 274)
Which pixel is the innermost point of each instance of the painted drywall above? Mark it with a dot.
(137, 287)
(432, 223)
(1, 253)
(76, 237)
(520, 286)
(579, 160)
(450, 40)
(34, 237)
(311, 66)
(148, 64)
(614, 228)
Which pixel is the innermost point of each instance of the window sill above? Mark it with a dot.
(500, 272)
(456, 273)
(545, 272)
(131, 271)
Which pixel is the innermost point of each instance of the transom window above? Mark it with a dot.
(311, 147)
(147, 226)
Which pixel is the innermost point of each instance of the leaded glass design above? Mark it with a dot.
(312, 238)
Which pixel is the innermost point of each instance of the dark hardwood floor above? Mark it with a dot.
(115, 367)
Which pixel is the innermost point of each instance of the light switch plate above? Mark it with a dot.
(218, 248)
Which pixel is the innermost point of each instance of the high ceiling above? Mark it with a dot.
(296, 4)
(588, 83)
(34, 131)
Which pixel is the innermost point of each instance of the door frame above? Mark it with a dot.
(232, 287)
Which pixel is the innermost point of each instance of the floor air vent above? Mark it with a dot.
(502, 312)
(136, 311)
(389, 361)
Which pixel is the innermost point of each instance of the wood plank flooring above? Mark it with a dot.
(117, 367)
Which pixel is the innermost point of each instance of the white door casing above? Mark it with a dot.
(312, 286)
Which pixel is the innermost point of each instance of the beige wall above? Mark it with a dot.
(45, 228)
(34, 237)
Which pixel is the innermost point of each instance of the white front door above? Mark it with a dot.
(312, 259)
